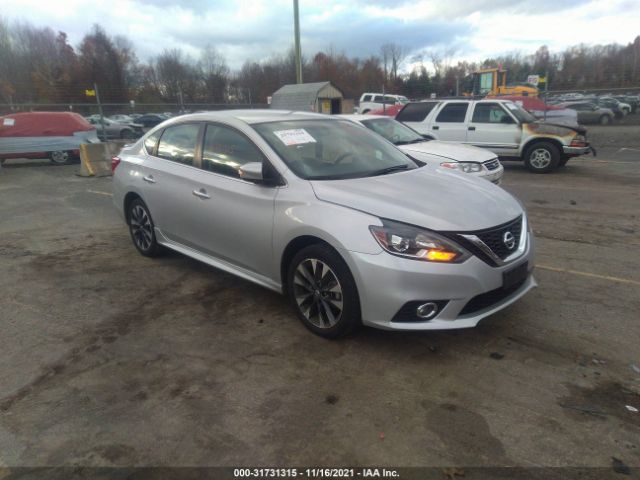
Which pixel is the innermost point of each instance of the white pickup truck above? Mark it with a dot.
(500, 126)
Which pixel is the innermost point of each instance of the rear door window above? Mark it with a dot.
(178, 143)
(453, 113)
(416, 112)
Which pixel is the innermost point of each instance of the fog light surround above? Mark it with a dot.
(427, 311)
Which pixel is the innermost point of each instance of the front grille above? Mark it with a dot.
(494, 238)
(488, 299)
(492, 164)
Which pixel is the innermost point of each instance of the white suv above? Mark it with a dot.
(500, 126)
(375, 101)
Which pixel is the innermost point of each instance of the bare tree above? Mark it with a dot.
(215, 73)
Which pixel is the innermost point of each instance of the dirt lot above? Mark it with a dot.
(110, 358)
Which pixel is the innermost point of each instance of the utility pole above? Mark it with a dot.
(104, 131)
(296, 23)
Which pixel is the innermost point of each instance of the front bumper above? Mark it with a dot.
(574, 151)
(494, 176)
(386, 283)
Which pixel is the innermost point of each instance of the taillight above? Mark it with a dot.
(115, 161)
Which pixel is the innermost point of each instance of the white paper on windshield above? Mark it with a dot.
(297, 136)
(9, 122)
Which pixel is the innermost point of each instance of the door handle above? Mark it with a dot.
(149, 179)
(436, 127)
(202, 193)
(472, 128)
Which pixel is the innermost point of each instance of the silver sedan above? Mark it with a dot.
(332, 215)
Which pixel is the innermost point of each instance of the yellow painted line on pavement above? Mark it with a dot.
(97, 192)
(589, 274)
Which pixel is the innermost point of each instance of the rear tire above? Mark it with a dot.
(542, 157)
(323, 292)
(141, 229)
(605, 120)
(127, 134)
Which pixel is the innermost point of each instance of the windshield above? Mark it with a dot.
(332, 149)
(392, 130)
(403, 100)
(520, 113)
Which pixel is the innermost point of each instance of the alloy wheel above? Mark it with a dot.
(540, 158)
(60, 157)
(141, 228)
(318, 293)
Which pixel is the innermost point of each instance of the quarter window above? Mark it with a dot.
(150, 142)
(178, 143)
(490, 113)
(453, 113)
(226, 150)
(415, 112)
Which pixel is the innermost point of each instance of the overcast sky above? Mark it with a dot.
(253, 30)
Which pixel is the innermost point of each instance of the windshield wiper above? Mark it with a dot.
(407, 142)
(384, 171)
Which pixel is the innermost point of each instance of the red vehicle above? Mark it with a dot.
(390, 111)
(53, 135)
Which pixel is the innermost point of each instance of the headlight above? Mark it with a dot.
(466, 167)
(417, 243)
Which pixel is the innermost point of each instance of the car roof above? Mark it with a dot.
(252, 116)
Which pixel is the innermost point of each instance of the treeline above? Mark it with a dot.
(38, 65)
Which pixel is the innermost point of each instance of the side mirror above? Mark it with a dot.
(251, 172)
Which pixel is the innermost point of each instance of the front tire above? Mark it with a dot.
(323, 292)
(605, 120)
(141, 229)
(60, 157)
(542, 157)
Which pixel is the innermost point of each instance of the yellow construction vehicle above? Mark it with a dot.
(493, 82)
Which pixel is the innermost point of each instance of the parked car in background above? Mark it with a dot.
(619, 109)
(591, 113)
(474, 161)
(630, 100)
(56, 135)
(329, 213)
(375, 101)
(121, 118)
(390, 111)
(150, 120)
(500, 126)
(117, 130)
(543, 111)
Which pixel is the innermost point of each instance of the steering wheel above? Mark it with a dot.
(344, 156)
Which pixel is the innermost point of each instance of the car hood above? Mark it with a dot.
(550, 128)
(434, 198)
(450, 151)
